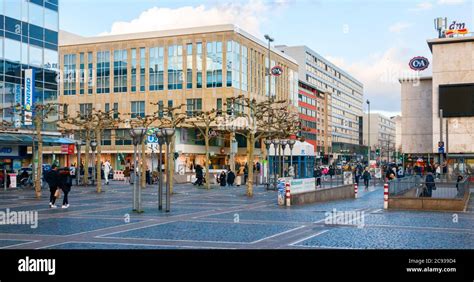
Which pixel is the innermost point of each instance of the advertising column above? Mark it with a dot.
(29, 93)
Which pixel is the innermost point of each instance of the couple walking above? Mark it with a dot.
(58, 180)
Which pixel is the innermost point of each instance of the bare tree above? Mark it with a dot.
(204, 121)
(268, 118)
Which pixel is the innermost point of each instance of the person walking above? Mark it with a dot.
(366, 177)
(126, 175)
(230, 178)
(51, 177)
(331, 171)
(318, 175)
(246, 173)
(222, 179)
(199, 175)
(429, 185)
(65, 184)
(106, 167)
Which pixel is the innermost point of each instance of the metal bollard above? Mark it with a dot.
(288, 195)
(385, 196)
(356, 190)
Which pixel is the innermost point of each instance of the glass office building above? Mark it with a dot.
(28, 40)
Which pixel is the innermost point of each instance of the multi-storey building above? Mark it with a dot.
(382, 135)
(28, 73)
(315, 112)
(199, 67)
(346, 99)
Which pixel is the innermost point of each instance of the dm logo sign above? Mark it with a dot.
(419, 63)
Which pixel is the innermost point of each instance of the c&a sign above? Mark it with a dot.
(418, 63)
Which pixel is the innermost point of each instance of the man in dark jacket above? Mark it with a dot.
(317, 175)
(52, 178)
(230, 178)
(366, 177)
(199, 175)
(430, 185)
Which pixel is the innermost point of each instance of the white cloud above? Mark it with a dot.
(450, 2)
(399, 27)
(379, 73)
(247, 15)
(423, 6)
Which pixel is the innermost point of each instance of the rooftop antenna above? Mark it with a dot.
(440, 25)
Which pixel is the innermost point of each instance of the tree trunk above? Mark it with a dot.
(143, 165)
(250, 151)
(98, 164)
(85, 181)
(206, 140)
(39, 164)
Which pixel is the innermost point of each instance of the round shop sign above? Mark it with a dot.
(419, 63)
(276, 71)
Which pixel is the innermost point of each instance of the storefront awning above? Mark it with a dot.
(27, 139)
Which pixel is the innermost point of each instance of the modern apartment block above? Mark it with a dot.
(382, 136)
(346, 100)
(199, 67)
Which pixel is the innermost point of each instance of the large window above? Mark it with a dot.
(103, 72)
(51, 19)
(142, 69)
(137, 109)
(175, 67)
(214, 64)
(244, 84)
(69, 80)
(90, 73)
(36, 14)
(122, 137)
(85, 110)
(134, 70)
(193, 106)
(81, 73)
(189, 66)
(199, 65)
(157, 62)
(233, 64)
(120, 71)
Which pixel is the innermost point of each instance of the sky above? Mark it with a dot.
(371, 40)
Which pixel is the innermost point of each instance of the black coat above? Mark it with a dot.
(52, 178)
(230, 177)
(222, 179)
(199, 171)
(65, 181)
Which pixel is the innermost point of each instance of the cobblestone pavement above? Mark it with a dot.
(226, 218)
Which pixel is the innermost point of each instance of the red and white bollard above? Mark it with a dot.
(288, 194)
(356, 190)
(385, 196)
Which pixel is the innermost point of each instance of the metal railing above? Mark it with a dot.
(442, 188)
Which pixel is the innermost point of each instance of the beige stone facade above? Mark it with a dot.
(285, 86)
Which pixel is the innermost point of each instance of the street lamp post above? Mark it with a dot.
(291, 143)
(137, 135)
(276, 143)
(368, 132)
(168, 134)
(93, 147)
(268, 142)
(269, 39)
(283, 144)
(159, 135)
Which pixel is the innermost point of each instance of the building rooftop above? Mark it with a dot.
(448, 40)
(69, 39)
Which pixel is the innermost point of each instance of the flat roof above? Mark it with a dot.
(448, 40)
(70, 39)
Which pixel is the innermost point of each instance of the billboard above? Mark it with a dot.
(29, 86)
(457, 100)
